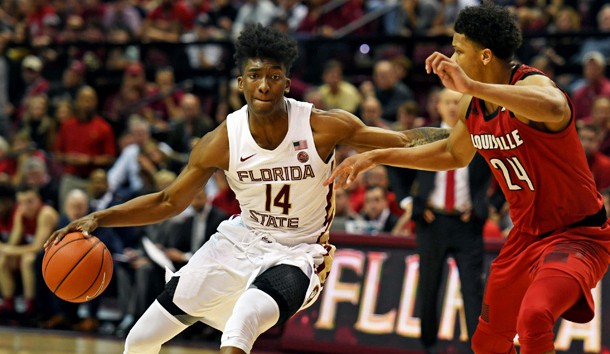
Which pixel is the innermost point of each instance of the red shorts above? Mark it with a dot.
(582, 253)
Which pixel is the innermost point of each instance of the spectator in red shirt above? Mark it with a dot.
(597, 84)
(42, 12)
(590, 137)
(167, 21)
(85, 142)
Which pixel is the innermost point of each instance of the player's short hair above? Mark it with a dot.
(491, 26)
(257, 41)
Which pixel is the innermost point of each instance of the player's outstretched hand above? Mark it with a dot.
(345, 174)
(85, 225)
(450, 73)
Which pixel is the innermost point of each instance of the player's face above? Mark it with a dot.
(467, 55)
(263, 84)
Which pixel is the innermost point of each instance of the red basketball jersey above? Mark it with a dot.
(544, 176)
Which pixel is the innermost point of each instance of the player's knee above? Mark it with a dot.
(534, 323)
(253, 314)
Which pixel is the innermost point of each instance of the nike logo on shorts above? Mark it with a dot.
(242, 159)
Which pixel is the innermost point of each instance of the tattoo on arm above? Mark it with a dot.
(425, 135)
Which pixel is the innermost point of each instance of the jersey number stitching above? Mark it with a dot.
(281, 200)
(517, 167)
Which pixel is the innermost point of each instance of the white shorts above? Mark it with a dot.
(226, 265)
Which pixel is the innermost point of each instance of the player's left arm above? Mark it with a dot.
(344, 128)
(535, 98)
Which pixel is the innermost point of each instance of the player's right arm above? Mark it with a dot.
(453, 152)
(210, 153)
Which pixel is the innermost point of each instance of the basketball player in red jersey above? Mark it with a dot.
(523, 125)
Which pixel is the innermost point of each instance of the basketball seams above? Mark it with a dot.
(76, 264)
(99, 271)
(46, 264)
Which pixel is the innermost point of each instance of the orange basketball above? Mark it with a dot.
(77, 269)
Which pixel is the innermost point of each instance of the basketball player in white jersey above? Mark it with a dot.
(264, 265)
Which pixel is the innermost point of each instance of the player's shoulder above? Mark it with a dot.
(464, 106)
(331, 116)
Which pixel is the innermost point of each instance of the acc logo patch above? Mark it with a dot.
(302, 157)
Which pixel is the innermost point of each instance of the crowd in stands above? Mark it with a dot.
(95, 109)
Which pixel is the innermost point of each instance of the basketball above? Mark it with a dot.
(78, 268)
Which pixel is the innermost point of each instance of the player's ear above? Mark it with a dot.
(486, 56)
(240, 83)
(287, 87)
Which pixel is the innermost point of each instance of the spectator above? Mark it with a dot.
(167, 22)
(85, 142)
(167, 97)
(35, 83)
(596, 83)
(122, 14)
(38, 125)
(120, 56)
(449, 210)
(408, 117)
(125, 175)
(445, 18)
(222, 15)
(335, 91)
(204, 56)
(371, 113)
(63, 111)
(192, 124)
(72, 80)
(376, 211)
(8, 164)
(599, 164)
(254, 11)
(35, 174)
(344, 214)
(412, 17)
(32, 225)
(597, 44)
(390, 91)
(294, 11)
(374, 177)
(134, 88)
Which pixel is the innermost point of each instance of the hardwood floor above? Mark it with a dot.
(31, 341)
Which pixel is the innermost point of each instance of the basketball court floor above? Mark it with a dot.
(33, 341)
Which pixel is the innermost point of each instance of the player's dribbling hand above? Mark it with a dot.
(450, 73)
(85, 225)
(345, 174)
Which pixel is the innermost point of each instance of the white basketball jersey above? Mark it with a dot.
(280, 191)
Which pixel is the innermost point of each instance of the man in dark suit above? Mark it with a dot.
(185, 236)
(178, 238)
(449, 210)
